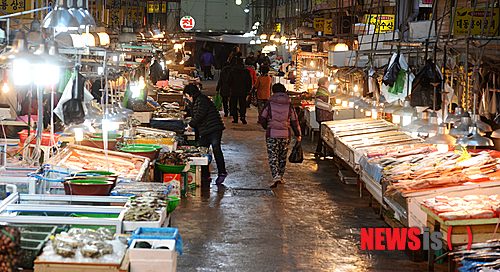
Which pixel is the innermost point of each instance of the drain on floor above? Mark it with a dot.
(252, 192)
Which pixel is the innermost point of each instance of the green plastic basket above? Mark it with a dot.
(170, 169)
(172, 203)
(32, 249)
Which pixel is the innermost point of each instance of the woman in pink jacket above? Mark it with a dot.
(278, 118)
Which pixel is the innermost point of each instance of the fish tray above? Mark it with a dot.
(32, 249)
(142, 161)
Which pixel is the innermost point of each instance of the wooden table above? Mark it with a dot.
(481, 230)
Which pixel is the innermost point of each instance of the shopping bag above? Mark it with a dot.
(392, 73)
(218, 101)
(297, 155)
(253, 99)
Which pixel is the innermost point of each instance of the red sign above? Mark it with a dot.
(187, 23)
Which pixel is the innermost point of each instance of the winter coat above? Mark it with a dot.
(222, 86)
(239, 81)
(263, 87)
(205, 116)
(253, 73)
(263, 60)
(207, 59)
(278, 117)
(324, 110)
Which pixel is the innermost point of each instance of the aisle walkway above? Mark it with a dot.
(312, 224)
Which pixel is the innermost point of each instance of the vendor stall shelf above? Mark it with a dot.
(35, 209)
(350, 139)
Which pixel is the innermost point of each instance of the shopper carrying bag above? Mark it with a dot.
(278, 118)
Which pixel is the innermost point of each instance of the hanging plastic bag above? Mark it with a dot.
(399, 85)
(392, 73)
(423, 91)
(218, 101)
(297, 156)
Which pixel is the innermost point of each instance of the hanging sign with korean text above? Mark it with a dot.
(319, 24)
(462, 21)
(187, 23)
(13, 6)
(154, 7)
(383, 22)
(328, 27)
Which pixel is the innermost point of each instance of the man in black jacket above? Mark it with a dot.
(239, 81)
(206, 120)
(223, 88)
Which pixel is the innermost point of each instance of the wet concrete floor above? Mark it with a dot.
(312, 224)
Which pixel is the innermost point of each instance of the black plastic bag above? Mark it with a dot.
(297, 155)
(391, 74)
(73, 109)
(422, 91)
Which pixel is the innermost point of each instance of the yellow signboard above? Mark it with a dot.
(328, 27)
(13, 6)
(383, 22)
(278, 27)
(462, 21)
(319, 24)
(155, 7)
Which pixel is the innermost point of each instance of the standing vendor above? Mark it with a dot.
(324, 109)
(206, 120)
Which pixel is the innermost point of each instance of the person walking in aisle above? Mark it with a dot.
(233, 54)
(239, 81)
(209, 126)
(263, 87)
(207, 60)
(278, 118)
(222, 56)
(223, 88)
(324, 109)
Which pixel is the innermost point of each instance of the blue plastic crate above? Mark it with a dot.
(159, 233)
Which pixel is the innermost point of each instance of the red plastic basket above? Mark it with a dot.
(23, 135)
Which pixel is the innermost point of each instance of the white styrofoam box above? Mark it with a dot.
(389, 36)
(363, 29)
(133, 225)
(154, 265)
(338, 58)
(199, 160)
(362, 61)
(419, 30)
(153, 253)
(143, 117)
(5, 113)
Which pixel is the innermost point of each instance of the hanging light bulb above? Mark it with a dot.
(263, 36)
(237, 2)
(5, 87)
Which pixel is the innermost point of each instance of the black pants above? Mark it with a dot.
(214, 139)
(207, 70)
(242, 102)
(225, 105)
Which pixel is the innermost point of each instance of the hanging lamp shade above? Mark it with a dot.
(421, 120)
(481, 126)
(83, 127)
(392, 107)
(79, 16)
(19, 51)
(495, 134)
(432, 125)
(61, 18)
(474, 139)
(83, 7)
(54, 51)
(463, 128)
(406, 110)
(441, 137)
(455, 117)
